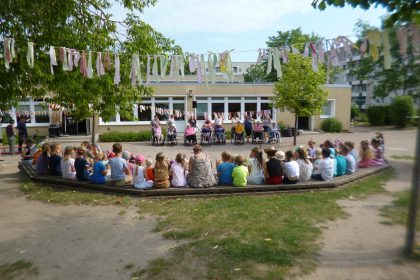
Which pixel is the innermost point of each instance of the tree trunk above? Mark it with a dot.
(295, 132)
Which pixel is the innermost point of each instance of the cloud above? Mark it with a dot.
(222, 16)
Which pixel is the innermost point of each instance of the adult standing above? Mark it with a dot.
(23, 132)
(266, 122)
(11, 137)
(201, 175)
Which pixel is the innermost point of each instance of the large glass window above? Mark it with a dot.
(217, 108)
(235, 109)
(23, 111)
(267, 106)
(251, 107)
(328, 110)
(201, 109)
(163, 116)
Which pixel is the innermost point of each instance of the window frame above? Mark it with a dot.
(333, 107)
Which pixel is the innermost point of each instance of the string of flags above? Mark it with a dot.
(204, 66)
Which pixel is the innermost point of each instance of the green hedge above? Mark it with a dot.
(378, 115)
(401, 111)
(116, 136)
(331, 125)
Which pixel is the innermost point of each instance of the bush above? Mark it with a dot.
(116, 136)
(376, 115)
(331, 125)
(355, 112)
(401, 110)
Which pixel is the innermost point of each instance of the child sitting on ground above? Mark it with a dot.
(317, 162)
(273, 171)
(157, 133)
(120, 174)
(55, 160)
(67, 164)
(255, 167)
(291, 169)
(240, 172)
(149, 169)
(378, 153)
(128, 157)
(140, 178)
(365, 154)
(161, 172)
(311, 149)
(225, 169)
(99, 175)
(179, 171)
(326, 166)
(341, 162)
(31, 149)
(81, 165)
(350, 162)
(42, 162)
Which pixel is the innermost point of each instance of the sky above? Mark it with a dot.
(200, 26)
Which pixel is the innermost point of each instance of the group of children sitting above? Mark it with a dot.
(117, 167)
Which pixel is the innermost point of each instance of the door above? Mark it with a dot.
(179, 119)
(303, 123)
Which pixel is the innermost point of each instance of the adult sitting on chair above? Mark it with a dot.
(190, 134)
(239, 132)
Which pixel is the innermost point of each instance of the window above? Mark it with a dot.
(23, 111)
(251, 107)
(163, 116)
(234, 108)
(144, 112)
(201, 109)
(127, 116)
(328, 110)
(41, 113)
(235, 69)
(217, 69)
(180, 107)
(217, 108)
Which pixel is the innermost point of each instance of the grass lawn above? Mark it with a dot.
(17, 270)
(235, 237)
(403, 157)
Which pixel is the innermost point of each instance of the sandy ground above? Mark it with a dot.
(87, 242)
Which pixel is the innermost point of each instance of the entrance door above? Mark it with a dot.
(303, 123)
(179, 121)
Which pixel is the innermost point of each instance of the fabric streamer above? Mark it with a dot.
(333, 55)
(63, 58)
(155, 70)
(83, 65)
(225, 63)
(269, 62)
(415, 39)
(70, 59)
(260, 56)
(283, 56)
(375, 40)
(363, 46)
(402, 40)
(275, 53)
(30, 55)
(76, 58)
(211, 65)
(163, 65)
(135, 74)
(203, 65)
(314, 57)
(346, 45)
(108, 64)
(181, 65)
(320, 52)
(100, 70)
(294, 50)
(7, 54)
(386, 49)
(306, 50)
(172, 67)
(53, 59)
(89, 66)
(148, 70)
(192, 63)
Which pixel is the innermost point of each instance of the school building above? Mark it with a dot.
(189, 96)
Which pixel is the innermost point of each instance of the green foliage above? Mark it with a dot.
(399, 10)
(300, 89)
(331, 125)
(255, 74)
(116, 136)
(355, 112)
(83, 25)
(376, 115)
(401, 110)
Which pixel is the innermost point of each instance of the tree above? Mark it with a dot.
(402, 109)
(82, 25)
(299, 89)
(400, 10)
(255, 74)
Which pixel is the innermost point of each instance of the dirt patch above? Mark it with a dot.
(363, 246)
(74, 242)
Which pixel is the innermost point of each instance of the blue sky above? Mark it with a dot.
(217, 25)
